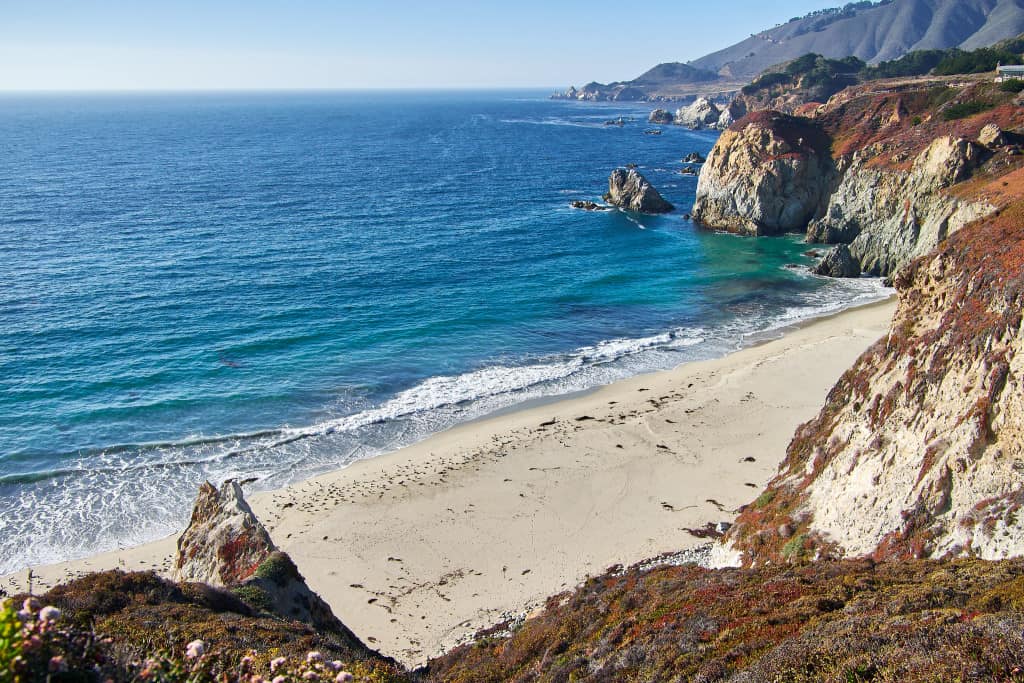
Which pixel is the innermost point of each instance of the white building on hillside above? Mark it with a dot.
(1009, 73)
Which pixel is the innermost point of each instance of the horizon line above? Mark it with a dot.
(314, 89)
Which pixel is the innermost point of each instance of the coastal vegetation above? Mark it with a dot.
(878, 553)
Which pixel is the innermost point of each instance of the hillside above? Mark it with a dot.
(888, 548)
(871, 32)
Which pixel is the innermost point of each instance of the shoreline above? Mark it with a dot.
(417, 548)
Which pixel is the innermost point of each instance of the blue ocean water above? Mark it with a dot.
(274, 285)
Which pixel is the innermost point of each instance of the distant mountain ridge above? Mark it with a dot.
(871, 31)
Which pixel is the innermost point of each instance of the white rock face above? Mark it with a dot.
(771, 176)
(919, 450)
(703, 113)
(889, 217)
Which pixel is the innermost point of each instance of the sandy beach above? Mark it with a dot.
(417, 549)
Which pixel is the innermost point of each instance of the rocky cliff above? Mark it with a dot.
(919, 450)
(769, 173)
(882, 174)
(890, 217)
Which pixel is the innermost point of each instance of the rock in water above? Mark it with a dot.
(224, 542)
(660, 116)
(584, 205)
(838, 262)
(694, 158)
(768, 174)
(629, 190)
(701, 114)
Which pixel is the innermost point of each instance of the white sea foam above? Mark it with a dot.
(129, 495)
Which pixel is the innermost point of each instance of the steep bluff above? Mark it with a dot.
(890, 217)
(919, 449)
(768, 173)
(882, 174)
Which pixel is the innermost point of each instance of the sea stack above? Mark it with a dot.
(628, 189)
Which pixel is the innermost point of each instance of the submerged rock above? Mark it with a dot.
(838, 262)
(629, 190)
(589, 206)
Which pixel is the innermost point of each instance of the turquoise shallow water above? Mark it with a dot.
(271, 286)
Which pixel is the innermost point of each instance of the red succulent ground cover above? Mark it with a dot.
(828, 621)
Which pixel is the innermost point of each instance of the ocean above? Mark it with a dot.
(272, 285)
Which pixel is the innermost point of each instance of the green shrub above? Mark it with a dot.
(279, 568)
(10, 637)
(963, 110)
(794, 547)
(975, 62)
(254, 596)
(1013, 85)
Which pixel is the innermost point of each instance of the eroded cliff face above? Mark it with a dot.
(883, 176)
(768, 174)
(889, 217)
(919, 450)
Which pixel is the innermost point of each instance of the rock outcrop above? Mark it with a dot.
(838, 262)
(992, 136)
(890, 217)
(768, 174)
(226, 546)
(224, 543)
(701, 114)
(586, 205)
(628, 189)
(662, 116)
(919, 450)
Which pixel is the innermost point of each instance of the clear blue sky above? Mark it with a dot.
(193, 44)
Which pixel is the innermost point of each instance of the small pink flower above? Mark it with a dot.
(30, 605)
(24, 615)
(314, 657)
(335, 665)
(279, 679)
(49, 613)
(57, 664)
(195, 649)
(311, 676)
(344, 677)
(246, 662)
(276, 662)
